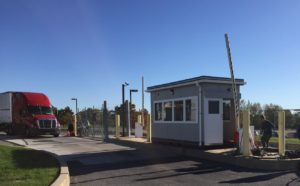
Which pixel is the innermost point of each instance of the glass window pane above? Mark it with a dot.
(158, 111)
(226, 109)
(178, 106)
(190, 110)
(213, 107)
(168, 111)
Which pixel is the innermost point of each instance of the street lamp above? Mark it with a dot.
(75, 122)
(129, 112)
(123, 106)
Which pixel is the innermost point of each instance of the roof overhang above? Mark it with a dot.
(197, 82)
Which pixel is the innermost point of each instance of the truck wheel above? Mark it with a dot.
(27, 132)
(9, 130)
(55, 135)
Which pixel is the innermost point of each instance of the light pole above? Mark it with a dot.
(129, 112)
(123, 107)
(75, 122)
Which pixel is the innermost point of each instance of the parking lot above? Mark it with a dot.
(93, 162)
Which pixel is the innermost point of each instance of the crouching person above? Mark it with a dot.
(266, 131)
(70, 130)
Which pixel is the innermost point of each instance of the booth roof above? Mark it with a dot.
(199, 79)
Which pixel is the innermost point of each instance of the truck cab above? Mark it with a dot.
(31, 114)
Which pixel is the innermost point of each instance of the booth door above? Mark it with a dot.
(213, 121)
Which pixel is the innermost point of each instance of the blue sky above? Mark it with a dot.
(87, 49)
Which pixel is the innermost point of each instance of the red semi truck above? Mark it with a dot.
(27, 113)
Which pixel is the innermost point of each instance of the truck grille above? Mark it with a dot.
(47, 124)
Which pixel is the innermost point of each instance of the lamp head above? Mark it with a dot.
(134, 90)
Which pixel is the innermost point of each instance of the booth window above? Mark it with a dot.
(178, 108)
(213, 107)
(158, 111)
(168, 114)
(226, 109)
(190, 110)
(183, 110)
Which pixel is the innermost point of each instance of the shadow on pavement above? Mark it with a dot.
(31, 159)
(154, 154)
(259, 178)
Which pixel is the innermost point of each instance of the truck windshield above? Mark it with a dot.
(39, 110)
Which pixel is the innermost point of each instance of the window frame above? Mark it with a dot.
(193, 98)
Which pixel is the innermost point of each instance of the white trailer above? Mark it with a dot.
(5, 108)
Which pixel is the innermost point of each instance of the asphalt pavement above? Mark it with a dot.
(93, 162)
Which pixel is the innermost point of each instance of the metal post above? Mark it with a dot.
(234, 91)
(117, 123)
(123, 108)
(281, 133)
(149, 129)
(143, 91)
(129, 114)
(105, 123)
(130, 103)
(246, 124)
(75, 116)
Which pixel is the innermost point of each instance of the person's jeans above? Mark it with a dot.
(265, 140)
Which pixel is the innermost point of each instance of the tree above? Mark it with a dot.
(255, 111)
(65, 116)
(270, 112)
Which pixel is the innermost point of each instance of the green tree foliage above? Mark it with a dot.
(65, 116)
(270, 111)
(93, 116)
(255, 111)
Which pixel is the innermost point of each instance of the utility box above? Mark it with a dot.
(138, 130)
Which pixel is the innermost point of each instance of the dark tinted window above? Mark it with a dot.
(213, 107)
(168, 111)
(226, 109)
(39, 110)
(178, 106)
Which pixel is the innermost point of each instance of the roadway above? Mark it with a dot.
(93, 162)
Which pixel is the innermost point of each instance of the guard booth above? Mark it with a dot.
(198, 110)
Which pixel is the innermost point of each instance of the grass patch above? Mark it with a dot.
(287, 140)
(21, 166)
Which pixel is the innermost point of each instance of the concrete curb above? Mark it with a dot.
(63, 178)
(238, 160)
(245, 162)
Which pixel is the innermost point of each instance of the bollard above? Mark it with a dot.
(117, 122)
(281, 133)
(140, 119)
(246, 124)
(149, 129)
(75, 125)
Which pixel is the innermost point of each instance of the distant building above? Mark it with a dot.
(197, 110)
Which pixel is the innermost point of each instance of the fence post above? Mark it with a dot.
(281, 133)
(246, 124)
(117, 122)
(105, 121)
(149, 129)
